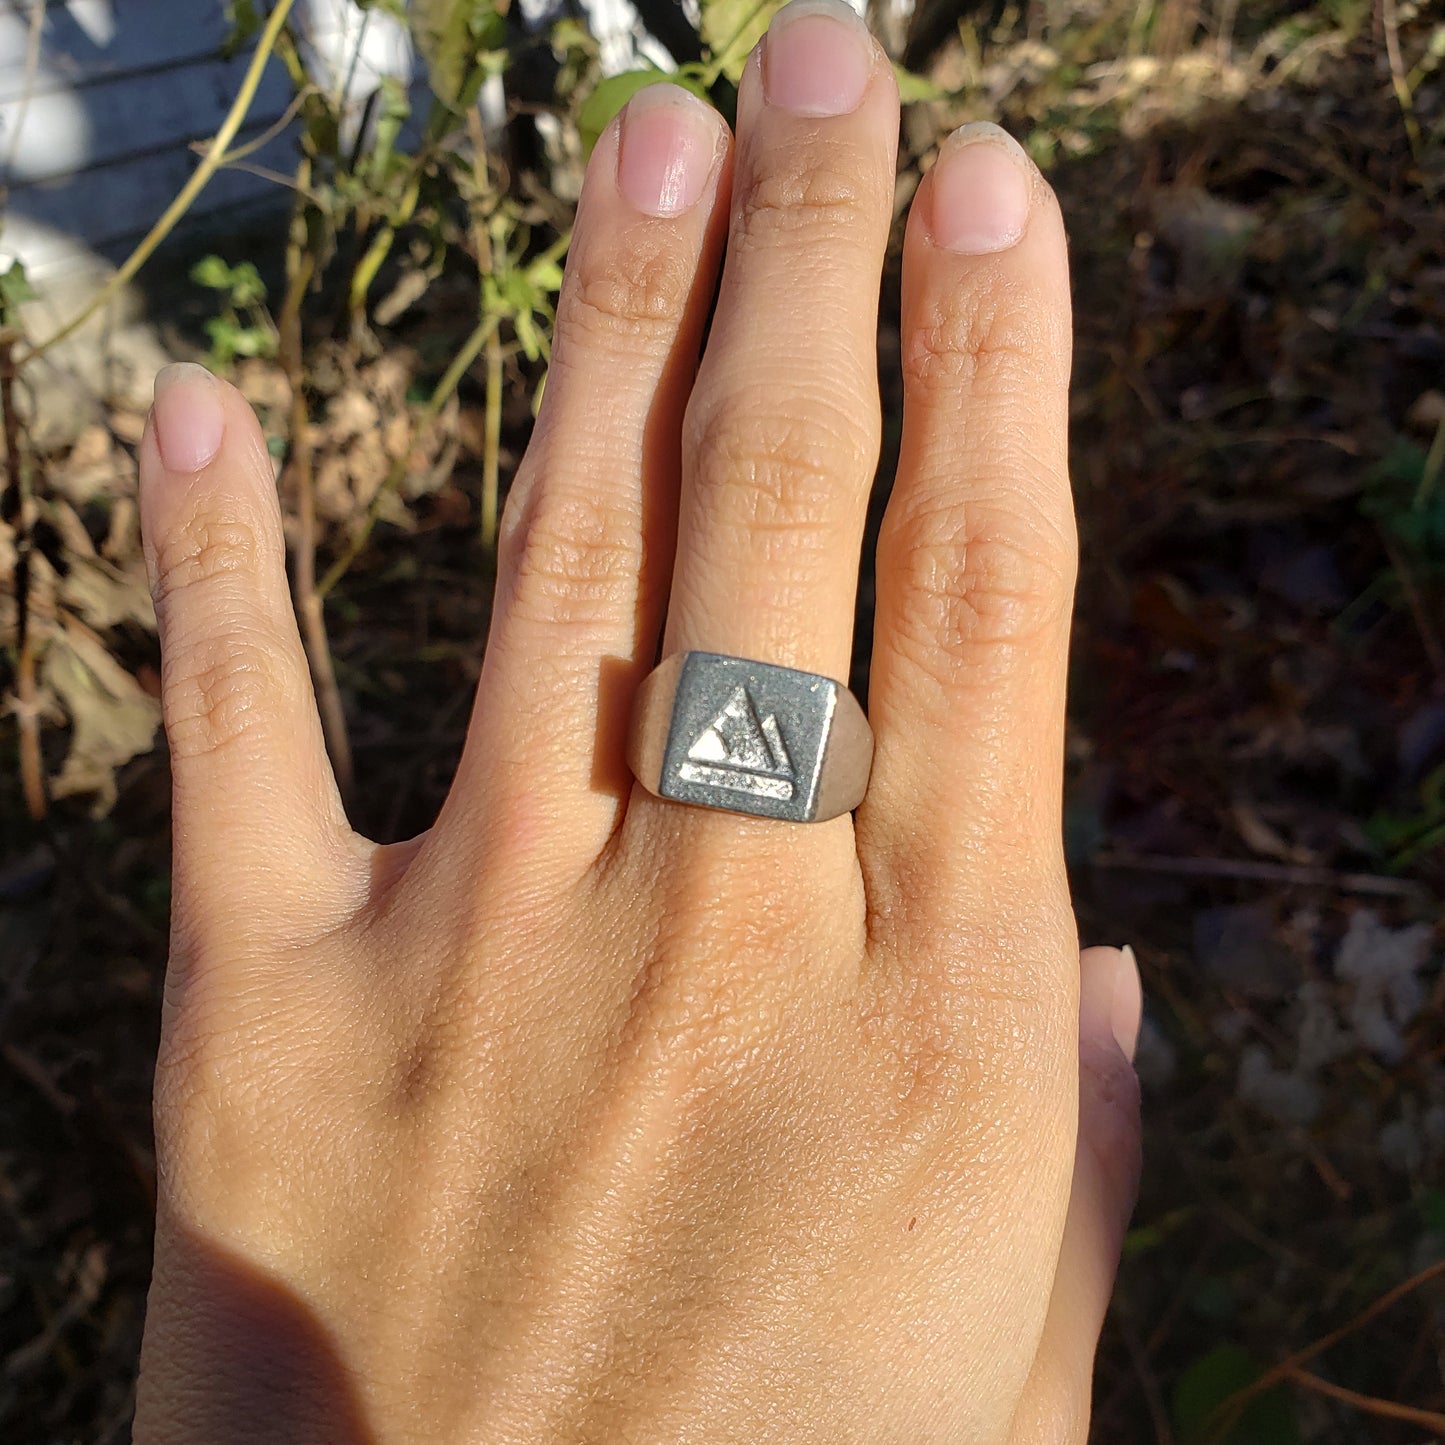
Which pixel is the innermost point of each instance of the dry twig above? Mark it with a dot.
(1230, 1410)
(1399, 81)
(14, 509)
(300, 267)
(1249, 870)
(1370, 1404)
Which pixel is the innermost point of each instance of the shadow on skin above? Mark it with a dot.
(618, 679)
(242, 1360)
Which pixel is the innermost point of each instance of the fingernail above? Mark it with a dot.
(188, 417)
(982, 189)
(667, 150)
(1126, 1007)
(817, 58)
(1110, 998)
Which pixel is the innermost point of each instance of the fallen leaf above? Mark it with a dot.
(112, 720)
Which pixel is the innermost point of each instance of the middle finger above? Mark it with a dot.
(782, 432)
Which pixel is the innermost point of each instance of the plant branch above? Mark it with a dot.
(479, 211)
(1256, 870)
(1229, 1411)
(13, 509)
(1399, 82)
(215, 157)
(379, 250)
(1430, 473)
(492, 443)
(1369, 1404)
(300, 267)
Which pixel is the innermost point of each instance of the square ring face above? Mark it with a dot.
(748, 737)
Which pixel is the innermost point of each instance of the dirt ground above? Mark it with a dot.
(1256, 751)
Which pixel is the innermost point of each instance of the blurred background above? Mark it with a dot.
(359, 213)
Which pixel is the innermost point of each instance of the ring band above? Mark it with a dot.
(750, 737)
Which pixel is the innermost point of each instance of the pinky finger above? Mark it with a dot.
(258, 825)
(1056, 1403)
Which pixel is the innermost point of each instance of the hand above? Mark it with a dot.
(588, 1116)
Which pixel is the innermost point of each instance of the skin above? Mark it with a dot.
(587, 1116)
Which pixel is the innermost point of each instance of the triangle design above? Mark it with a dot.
(740, 752)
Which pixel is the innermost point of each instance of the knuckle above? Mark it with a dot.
(995, 340)
(979, 576)
(722, 970)
(625, 293)
(572, 558)
(205, 552)
(982, 1021)
(762, 468)
(223, 685)
(815, 192)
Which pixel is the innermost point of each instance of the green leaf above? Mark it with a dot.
(254, 341)
(611, 94)
(1215, 1378)
(730, 29)
(452, 36)
(545, 274)
(1141, 1240)
(242, 23)
(247, 287)
(912, 87)
(394, 108)
(213, 272)
(1396, 496)
(242, 282)
(15, 287)
(528, 336)
(1410, 834)
(1432, 1209)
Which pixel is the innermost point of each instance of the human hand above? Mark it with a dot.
(588, 1116)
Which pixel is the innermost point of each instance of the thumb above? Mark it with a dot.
(1055, 1406)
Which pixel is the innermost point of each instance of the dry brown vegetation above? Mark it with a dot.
(1257, 746)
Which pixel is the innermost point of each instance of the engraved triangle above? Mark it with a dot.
(740, 752)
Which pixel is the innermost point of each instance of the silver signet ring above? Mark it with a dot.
(749, 737)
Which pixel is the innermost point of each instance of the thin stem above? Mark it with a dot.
(281, 123)
(15, 509)
(479, 211)
(300, 266)
(1399, 81)
(215, 157)
(379, 250)
(1369, 1404)
(1229, 1411)
(1430, 472)
(491, 453)
(1430, 638)
(725, 55)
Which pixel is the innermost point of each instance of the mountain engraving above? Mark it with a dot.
(741, 753)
